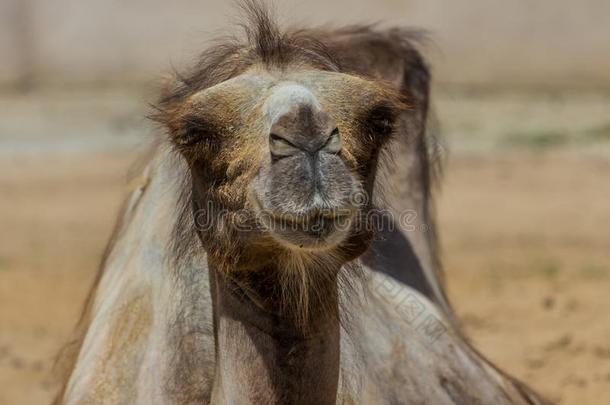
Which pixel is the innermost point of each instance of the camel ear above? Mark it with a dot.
(168, 107)
(415, 82)
(167, 87)
(390, 55)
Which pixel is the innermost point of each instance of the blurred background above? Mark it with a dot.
(522, 94)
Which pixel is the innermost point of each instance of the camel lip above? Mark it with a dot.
(310, 216)
(321, 233)
(315, 230)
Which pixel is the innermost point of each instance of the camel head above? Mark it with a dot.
(282, 148)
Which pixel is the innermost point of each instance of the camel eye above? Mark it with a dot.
(381, 120)
(189, 136)
(192, 132)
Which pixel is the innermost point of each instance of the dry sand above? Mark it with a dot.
(525, 249)
(524, 218)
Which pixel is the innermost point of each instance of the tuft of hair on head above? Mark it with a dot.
(262, 31)
(262, 42)
(275, 47)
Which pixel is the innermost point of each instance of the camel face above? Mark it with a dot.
(304, 194)
(286, 160)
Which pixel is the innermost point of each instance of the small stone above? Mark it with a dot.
(17, 363)
(535, 363)
(548, 303)
(560, 343)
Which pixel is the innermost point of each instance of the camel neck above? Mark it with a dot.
(263, 357)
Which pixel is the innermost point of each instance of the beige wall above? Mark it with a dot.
(478, 41)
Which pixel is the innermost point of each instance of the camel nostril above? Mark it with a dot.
(280, 147)
(333, 144)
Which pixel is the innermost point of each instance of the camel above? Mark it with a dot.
(279, 246)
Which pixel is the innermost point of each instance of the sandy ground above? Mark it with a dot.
(525, 234)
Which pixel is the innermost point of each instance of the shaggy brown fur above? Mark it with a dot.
(195, 129)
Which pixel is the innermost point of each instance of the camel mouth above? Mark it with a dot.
(315, 232)
(312, 229)
(312, 218)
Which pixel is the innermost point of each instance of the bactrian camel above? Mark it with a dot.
(280, 247)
